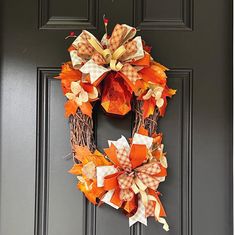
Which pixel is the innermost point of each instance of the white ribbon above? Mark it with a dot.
(107, 197)
(142, 139)
(87, 67)
(102, 171)
(139, 216)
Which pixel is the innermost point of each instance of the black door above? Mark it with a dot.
(192, 38)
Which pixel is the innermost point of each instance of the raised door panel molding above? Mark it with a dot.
(163, 15)
(176, 128)
(67, 15)
(60, 206)
(56, 190)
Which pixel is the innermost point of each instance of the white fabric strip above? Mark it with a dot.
(102, 171)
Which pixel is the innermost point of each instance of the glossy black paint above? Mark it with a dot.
(192, 38)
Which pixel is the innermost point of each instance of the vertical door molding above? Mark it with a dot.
(45, 75)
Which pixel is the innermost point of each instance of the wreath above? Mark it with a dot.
(120, 72)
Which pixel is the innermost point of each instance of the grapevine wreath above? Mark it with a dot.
(120, 72)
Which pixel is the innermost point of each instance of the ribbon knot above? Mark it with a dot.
(110, 58)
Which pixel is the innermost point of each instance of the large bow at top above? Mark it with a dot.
(115, 53)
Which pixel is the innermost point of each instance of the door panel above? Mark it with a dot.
(59, 202)
(63, 201)
(56, 203)
(36, 189)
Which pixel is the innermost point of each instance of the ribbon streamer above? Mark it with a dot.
(139, 216)
(157, 213)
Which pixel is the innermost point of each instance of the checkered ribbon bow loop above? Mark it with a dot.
(137, 181)
(135, 175)
(97, 58)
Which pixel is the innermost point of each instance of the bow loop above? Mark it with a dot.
(117, 36)
(149, 181)
(138, 154)
(151, 168)
(131, 49)
(116, 52)
(82, 44)
(123, 158)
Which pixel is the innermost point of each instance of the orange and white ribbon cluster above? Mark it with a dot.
(131, 182)
(126, 177)
(124, 63)
(97, 58)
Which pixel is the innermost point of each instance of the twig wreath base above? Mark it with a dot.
(149, 123)
(81, 130)
(81, 126)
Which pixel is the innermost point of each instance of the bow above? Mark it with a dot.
(116, 53)
(133, 177)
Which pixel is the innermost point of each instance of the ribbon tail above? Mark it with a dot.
(157, 213)
(139, 216)
(95, 71)
(107, 197)
(165, 225)
(160, 219)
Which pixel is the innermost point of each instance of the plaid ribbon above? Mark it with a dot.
(144, 173)
(117, 52)
(149, 209)
(130, 72)
(117, 37)
(149, 168)
(98, 59)
(131, 182)
(125, 181)
(123, 158)
(93, 69)
(148, 180)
